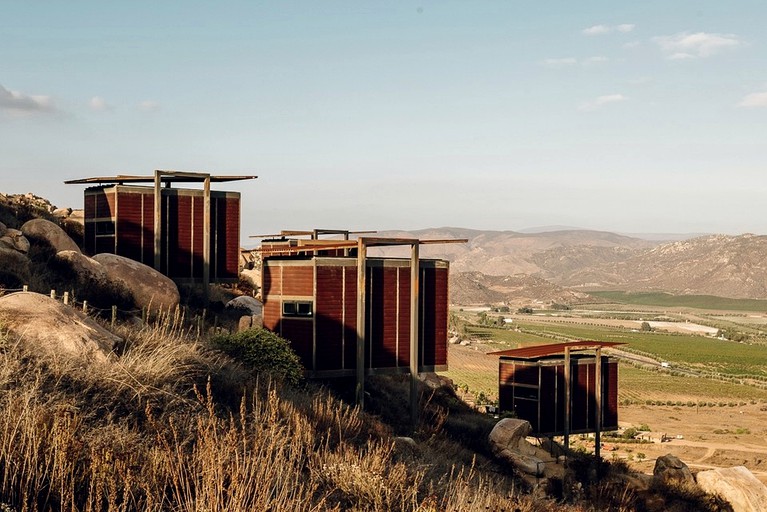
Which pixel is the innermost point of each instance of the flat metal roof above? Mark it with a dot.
(186, 178)
(320, 245)
(554, 349)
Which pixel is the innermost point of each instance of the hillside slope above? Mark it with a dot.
(722, 265)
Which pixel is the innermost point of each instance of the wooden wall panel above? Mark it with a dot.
(547, 421)
(403, 324)
(272, 311)
(350, 317)
(129, 228)
(440, 311)
(230, 240)
(198, 214)
(271, 277)
(382, 320)
(610, 404)
(300, 333)
(328, 317)
(298, 280)
(147, 231)
(181, 237)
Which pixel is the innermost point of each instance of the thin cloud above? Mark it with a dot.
(597, 59)
(149, 106)
(16, 103)
(560, 63)
(99, 104)
(632, 44)
(572, 61)
(601, 101)
(598, 30)
(685, 45)
(754, 100)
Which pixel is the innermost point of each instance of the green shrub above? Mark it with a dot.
(264, 352)
(629, 433)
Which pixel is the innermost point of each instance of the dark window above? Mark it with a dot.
(105, 228)
(297, 308)
(526, 392)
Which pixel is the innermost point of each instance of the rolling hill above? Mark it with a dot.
(721, 265)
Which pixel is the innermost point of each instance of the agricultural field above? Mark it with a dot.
(707, 302)
(711, 423)
(691, 360)
(696, 352)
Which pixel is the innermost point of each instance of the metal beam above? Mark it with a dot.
(157, 219)
(206, 239)
(361, 282)
(168, 177)
(414, 362)
(598, 432)
(568, 386)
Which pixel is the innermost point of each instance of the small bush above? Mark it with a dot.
(264, 352)
(629, 433)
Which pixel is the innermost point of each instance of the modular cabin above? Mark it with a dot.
(533, 383)
(336, 315)
(192, 236)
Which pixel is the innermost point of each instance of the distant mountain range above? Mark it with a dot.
(582, 260)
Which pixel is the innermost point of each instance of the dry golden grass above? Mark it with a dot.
(171, 425)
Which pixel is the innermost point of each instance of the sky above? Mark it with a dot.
(632, 117)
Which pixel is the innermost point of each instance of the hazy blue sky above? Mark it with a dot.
(643, 116)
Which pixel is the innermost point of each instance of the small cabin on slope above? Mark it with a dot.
(312, 301)
(189, 235)
(533, 383)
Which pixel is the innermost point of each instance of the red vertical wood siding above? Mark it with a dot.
(298, 280)
(272, 311)
(549, 418)
(610, 404)
(403, 327)
(228, 242)
(433, 321)
(271, 280)
(299, 332)
(99, 206)
(181, 239)
(350, 317)
(129, 227)
(332, 284)
(328, 316)
(89, 231)
(382, 327)
(147, 230)
(182, 218)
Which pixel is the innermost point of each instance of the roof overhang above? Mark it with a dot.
(554, 349)
(165, 177)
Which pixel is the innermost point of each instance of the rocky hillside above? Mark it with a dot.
(519, 289)
(548, 255)
(727, 266)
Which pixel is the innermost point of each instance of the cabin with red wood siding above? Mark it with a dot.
(119, 219)
(312, 302)
(532, 383)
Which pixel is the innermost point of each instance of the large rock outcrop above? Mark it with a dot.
(48, 325)
(13, 239)
(670, 468)
(737, 485)
(507, 440)
(87, 270)
(51, 233)
(148, 287)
